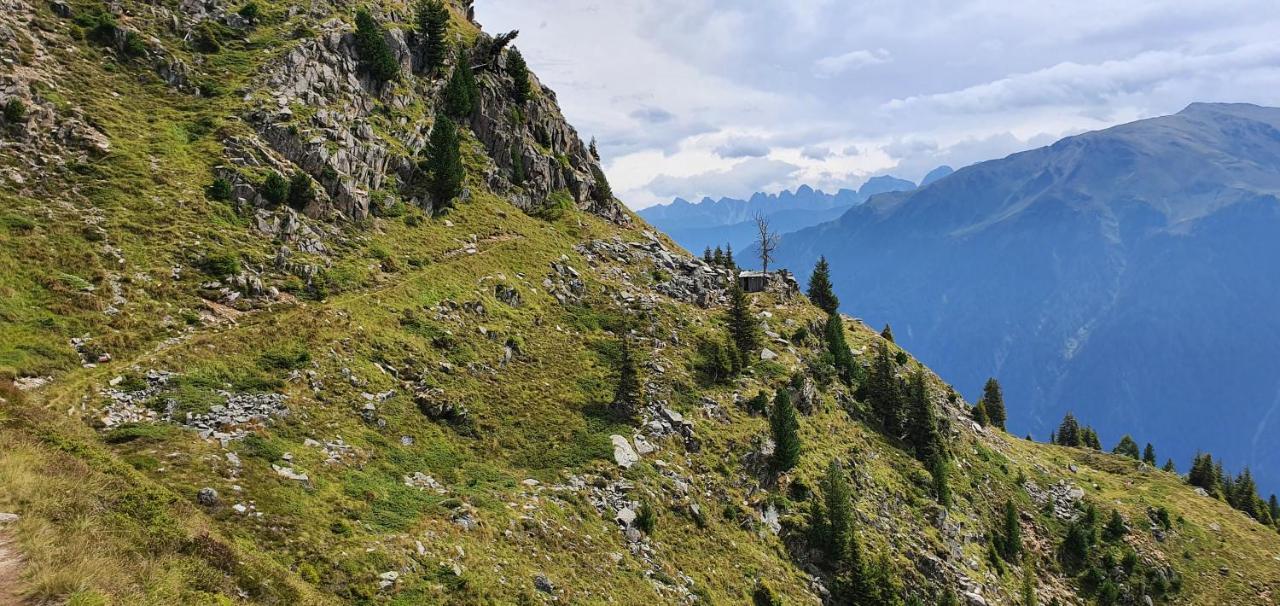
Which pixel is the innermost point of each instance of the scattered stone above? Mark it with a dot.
(207, 497)
(388, 579)
(9, 518)
(543, 584)
(768, 354)
(289, 473)
(623, 454)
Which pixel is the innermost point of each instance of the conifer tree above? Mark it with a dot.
(1009, 543)
(626, 397)
(1273, 506)
(275, 189)
(1127, 447)
(820, 292)
(460, 93)
(980, 415)
(837, 499)
(884, 392)
(718, 257)
(1115, 529)
(728, 257)
(519, 72)
(923, 431)
(941, 472)
(301, 190)
(742, 328)
(444, 163)
(1149, 455)
(1169, 466)
(1244, 494)
(1090, 438)
(785, 427)
(1202, 473)
(887, 333)
(1068, 433)
(706, 255)
(841, 358)
(601, 193)
(433, 24)
(371, 44)
(993, 399)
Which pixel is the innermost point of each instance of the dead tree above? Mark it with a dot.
(766, 241)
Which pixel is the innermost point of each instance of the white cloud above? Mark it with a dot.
(743, 178)
(743, 147)
(835, 65)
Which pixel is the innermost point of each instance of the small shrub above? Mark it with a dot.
(14, 110)
(250, 11)
(275, 190)
(220, 190)
(258, 447)
(134, 46)
(132, 432)
(646, 518)
(288, 357)
(301, 190)
(222, 263)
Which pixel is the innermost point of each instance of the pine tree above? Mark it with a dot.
(1127, 447)
(838, 349)
(626, 397)
(444, 163)
(433, 24)
(1244, 494)
(1202, 472)
(1169, 466)
(371, 44)
(785, 428)
(1273, 506)
(820, 292)
(887, 333)
(1115, 529)
(601, 193)
(742, 328)
(1090, 438)
(717, 361)
(923, 432)
(1029, 585)
(728, 257)
(706, 255)
(837, 498)
(980, 415)
(1069, 431)
(519, 72)
(941, 472)
(275, 190)
(460, 93)
(301, 190)
(1009, 542)
(884, 392)
(718, 256)
(1149, 455)
(993, 398)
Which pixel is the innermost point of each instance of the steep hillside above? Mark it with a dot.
(1123, 274)
(221, 390)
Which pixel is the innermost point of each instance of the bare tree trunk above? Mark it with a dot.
(766, 241)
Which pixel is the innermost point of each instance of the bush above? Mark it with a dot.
(250, 11)
(219, 190)
(301, 190)
(208, 37)
(646, 518)
(275, 190)
(218, 264)
(289, 357)
(14, 110)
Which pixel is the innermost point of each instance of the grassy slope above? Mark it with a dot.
(538, 418)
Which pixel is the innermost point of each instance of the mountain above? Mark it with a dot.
(1124, 274)
(936, 174)
(711, 223)
(258, 346)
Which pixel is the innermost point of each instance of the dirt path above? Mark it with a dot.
(10, 566)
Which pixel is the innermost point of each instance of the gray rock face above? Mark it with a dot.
(623, 454)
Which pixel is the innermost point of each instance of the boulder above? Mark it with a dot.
(623, 454)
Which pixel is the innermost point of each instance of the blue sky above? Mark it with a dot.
(713, 97)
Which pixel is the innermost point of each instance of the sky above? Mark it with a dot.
(696, 98)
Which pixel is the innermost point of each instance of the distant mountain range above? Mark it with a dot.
(1130, 275)
(697, 225)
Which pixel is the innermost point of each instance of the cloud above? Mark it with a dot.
(1070, 83)
(743, 178)
(652, 115)
(835, 65)
(816, 152)
(743, 147)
